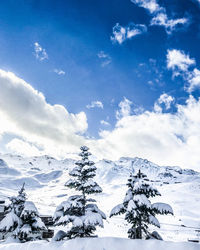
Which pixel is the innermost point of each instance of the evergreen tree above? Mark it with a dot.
(11, 222)
(79, 210)
(138, 210)
(22, 219)
(31, 226)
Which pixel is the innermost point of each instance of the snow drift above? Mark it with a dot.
(102, 244)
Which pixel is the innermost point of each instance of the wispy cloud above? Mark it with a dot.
(151, 5)
(160, 17)
(39, 52)
(103, 122)
(170, 25)
(105, 58)
(121, 34)
(95, 104)
(59, 71)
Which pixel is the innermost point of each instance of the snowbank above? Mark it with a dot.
(102, 244)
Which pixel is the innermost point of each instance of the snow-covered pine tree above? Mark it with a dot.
(22, 219)
(138, 210)
(31, 226)
(79, 210)
(11, 222)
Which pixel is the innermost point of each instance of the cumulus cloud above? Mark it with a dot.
(39, 52)
(180, 63)
(95, 104)
(170, 25)
(124, 108)
(194, 80)
(165, 99)
(121, 34)
(39, 127)
(25, 113)
(164, 138)
(177, 59)
(105, 58)
(59, 71)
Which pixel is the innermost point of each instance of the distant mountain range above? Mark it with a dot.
(45, 176)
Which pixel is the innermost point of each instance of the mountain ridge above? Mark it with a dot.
(45, 179)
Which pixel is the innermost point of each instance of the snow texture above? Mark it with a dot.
(141, 199)
(154, 221)
(162, 208)
(8, 221)
(179, 187)
(101, 244)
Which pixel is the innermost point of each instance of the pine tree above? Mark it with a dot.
(31, 227)
(11, 222)
(22, 219)
(78, 209)
(138, 210)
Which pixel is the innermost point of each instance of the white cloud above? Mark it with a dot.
(105, 58)
(177, 59)
(59, 71)
(159, 16)
(124, 108)
(102, 54)
(165, 99)
(161, 19)
(24, 112)
(39, 52)
(151, 5)
(180, 64)
(95, 104)
(21, 147)
(120, 33)
(164, 138)
(105, 123)
(194, 80)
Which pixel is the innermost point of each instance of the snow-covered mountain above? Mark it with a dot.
(45, 177)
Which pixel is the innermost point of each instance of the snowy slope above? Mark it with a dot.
(101, 244)
(45, 177)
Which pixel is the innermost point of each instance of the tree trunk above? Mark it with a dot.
(140, 228)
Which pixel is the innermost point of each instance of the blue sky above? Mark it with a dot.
(90, 56)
